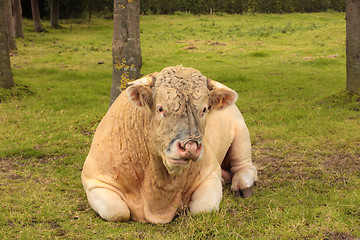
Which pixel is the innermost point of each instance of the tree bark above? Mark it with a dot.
(36, 16)
(54, 14)
(126, 50)
(353, 46)
(6, 79)
(17, 17)
(10, 33)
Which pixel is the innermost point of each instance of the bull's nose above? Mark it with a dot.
(189, 149)
(190, 143)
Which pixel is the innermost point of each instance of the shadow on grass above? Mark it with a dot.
(19, 91)
(342, 100)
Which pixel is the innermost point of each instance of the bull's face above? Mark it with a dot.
(179, 101)
(179, 123)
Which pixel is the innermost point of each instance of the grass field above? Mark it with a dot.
(289, 71)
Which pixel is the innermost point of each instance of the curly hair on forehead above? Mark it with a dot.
(180, 78)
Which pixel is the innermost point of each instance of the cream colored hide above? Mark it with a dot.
(166, 143)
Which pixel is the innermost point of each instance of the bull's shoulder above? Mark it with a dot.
(221, 129)
(119, 142)
(224, 119)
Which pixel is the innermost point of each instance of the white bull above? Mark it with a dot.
(165, 143)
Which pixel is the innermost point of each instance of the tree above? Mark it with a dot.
(126, 50)
(97, 6)
(353, 46)
(6, 79)
(92, 5)
(17, 17)
(10, 26)
(54, 14)
(36, 16)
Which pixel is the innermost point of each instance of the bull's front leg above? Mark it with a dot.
(108, 204)
(239, 158)
(207, 197)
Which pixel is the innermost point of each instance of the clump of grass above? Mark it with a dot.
(259, 54)
(342, 99)
(19, 91)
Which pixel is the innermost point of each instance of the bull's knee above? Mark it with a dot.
(109, 205)
(206, 197)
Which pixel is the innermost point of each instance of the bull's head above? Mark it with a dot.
(179, 100)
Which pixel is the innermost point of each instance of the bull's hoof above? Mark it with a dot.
(245, 193)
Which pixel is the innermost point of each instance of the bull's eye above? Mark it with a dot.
(205, 110)
(160, 110)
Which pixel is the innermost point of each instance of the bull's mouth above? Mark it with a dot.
(179, 161)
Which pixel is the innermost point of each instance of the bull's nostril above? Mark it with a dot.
(190, 141)
(181, 146)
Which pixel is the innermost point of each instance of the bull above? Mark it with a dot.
(170, 140)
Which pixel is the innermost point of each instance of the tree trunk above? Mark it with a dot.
(126, 50)
(17, 17)
(10, 33)
(90, 13)
(36, 16)
(54, 14)
(353, 46)
(6, 79)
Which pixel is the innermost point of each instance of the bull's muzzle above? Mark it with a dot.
(189, 149)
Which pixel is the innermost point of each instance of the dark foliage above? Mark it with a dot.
(239, 6)
(69, 8)
(78, 8)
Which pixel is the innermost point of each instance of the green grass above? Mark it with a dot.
(289, 71)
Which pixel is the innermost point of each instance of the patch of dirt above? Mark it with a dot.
(308, 58)
(342, 163)
(7, 164)
(53, 224)
(83, 207)
(14, 176)
(17, 169)
(274, 167)
(333, 56)
(338, 236)
(192, 45)
(253, 43)
(216, 43)
(9, 172)
(189, 47)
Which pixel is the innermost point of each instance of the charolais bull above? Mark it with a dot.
(170, 140)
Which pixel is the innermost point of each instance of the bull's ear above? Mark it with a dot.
(140, 95)
(220, 95)
(148, 80)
